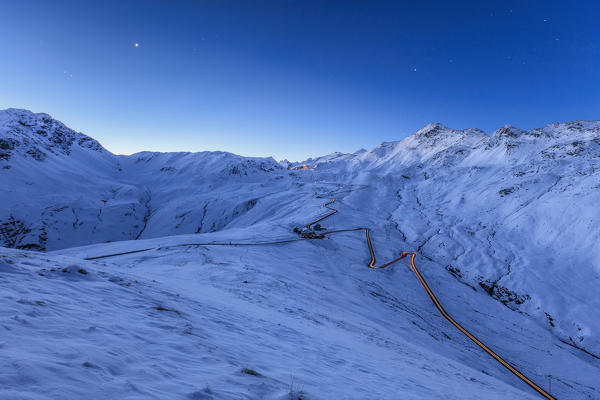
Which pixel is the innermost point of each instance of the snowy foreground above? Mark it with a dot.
(505, 227)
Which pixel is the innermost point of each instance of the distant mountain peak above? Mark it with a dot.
(509, 131)
(431, 129)
(435, 129)
(36, 135)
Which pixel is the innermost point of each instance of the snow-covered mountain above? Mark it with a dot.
(505, 225)
(60, 188)
(514, 213)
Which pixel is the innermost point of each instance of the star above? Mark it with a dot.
(136, 44)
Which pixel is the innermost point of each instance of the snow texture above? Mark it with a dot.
(505, 226)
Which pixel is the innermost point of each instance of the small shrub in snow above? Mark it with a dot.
(161, 308)
(252, 372)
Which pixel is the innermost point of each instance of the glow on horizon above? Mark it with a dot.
(126, 147)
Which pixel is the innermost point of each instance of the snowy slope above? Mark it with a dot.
(184, 322)
(60, 188)
(505, 226)
(513, 213)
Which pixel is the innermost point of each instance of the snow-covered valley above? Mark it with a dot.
(505, 226)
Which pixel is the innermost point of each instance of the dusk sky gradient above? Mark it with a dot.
(296, 79)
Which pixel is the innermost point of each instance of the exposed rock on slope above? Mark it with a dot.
(37, 135)
(61, 188)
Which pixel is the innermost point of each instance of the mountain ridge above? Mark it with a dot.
(499, 213)
(26, 118)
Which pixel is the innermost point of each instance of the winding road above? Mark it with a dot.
(437, 303)
(326, 205)
(371, 264)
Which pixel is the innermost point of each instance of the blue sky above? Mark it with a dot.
(296, 79)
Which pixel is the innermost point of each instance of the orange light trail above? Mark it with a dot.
(326, 205)
(436, 302)
(372, 265)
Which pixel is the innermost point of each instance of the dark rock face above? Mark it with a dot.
(18, 234)
(246, 167)
(508, 131)
(508, 297)
(433, 130)
(36, 154)
(6, 147)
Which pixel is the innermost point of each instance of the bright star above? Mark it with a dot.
(136, 44)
